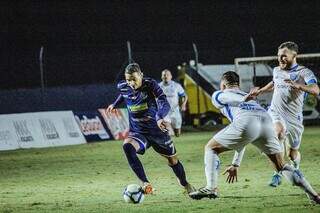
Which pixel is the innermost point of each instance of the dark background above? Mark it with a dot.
(85, 42)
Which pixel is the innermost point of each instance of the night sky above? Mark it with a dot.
(85, 43)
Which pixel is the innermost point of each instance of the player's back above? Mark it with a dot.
(247, 118)
(232, 104)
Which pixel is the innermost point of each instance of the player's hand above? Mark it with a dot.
(292, 83)
(254, 92)
(162, 124)
(183, 107)
(110, 109)
(232, 174)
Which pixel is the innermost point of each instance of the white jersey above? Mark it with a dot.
(173, 91)
(249, 123)
(231, 103)
(286, 100)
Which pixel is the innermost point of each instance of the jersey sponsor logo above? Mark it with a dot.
(282, 86)
(140, 107)
(144, 95)
(251, 107)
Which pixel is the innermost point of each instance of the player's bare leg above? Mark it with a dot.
(294, 176)
(178, 170)
(177, 132)
(280, 133)
(212, 166)
(295, 157)
(130, 148)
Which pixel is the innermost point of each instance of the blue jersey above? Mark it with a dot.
(145, 105)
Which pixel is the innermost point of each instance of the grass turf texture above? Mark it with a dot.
(91, 178)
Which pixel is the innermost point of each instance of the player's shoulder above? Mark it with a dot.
(122, 85)
(149, 82)
(276, 69)
(216, 94)
(303, 69)
(160, 83)
(215, 99)
(176, 83)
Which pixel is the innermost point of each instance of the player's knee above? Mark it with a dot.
(172, 160)
(293, 154)
(280, 132)
(212, 145)
(128, 148)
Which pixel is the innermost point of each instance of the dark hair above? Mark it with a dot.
(133, 67)
(231, 78)
(290, 45)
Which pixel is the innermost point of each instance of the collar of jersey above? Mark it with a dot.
(293, 68)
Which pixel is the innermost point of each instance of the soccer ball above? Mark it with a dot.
(133, 193)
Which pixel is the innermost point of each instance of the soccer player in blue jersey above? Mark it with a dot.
(250, 123)
(147, 107)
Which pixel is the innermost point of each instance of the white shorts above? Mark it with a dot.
(255, 128)
(293, 127)
(176, 119)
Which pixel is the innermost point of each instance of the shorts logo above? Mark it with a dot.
(168, 142)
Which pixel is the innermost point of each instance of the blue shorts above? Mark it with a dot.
(160, 142)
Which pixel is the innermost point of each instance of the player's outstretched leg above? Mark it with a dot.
(130, 148)
(295, 157)
(294, 176)
(280, 132)
(178, 170)
(212, 165)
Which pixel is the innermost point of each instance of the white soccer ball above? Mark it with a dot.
(133, 193)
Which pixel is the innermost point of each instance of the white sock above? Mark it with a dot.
(297, 179)
(296, 161)
(212, 166)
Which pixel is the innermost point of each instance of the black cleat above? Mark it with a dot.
(204, 192)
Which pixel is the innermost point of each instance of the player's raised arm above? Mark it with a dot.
(116, 103)
(266, 88)
(310, 85)
(221, 99)
(119, 99)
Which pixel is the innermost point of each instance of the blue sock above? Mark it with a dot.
(179, 172)
(134, 161)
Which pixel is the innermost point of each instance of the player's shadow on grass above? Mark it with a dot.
(262, 196)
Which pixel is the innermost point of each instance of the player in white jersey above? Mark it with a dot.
(177, 99)
(291, 82)
(250, 123)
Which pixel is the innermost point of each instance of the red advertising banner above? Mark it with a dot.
(117, 122)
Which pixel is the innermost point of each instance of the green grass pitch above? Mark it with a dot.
(91, 178)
